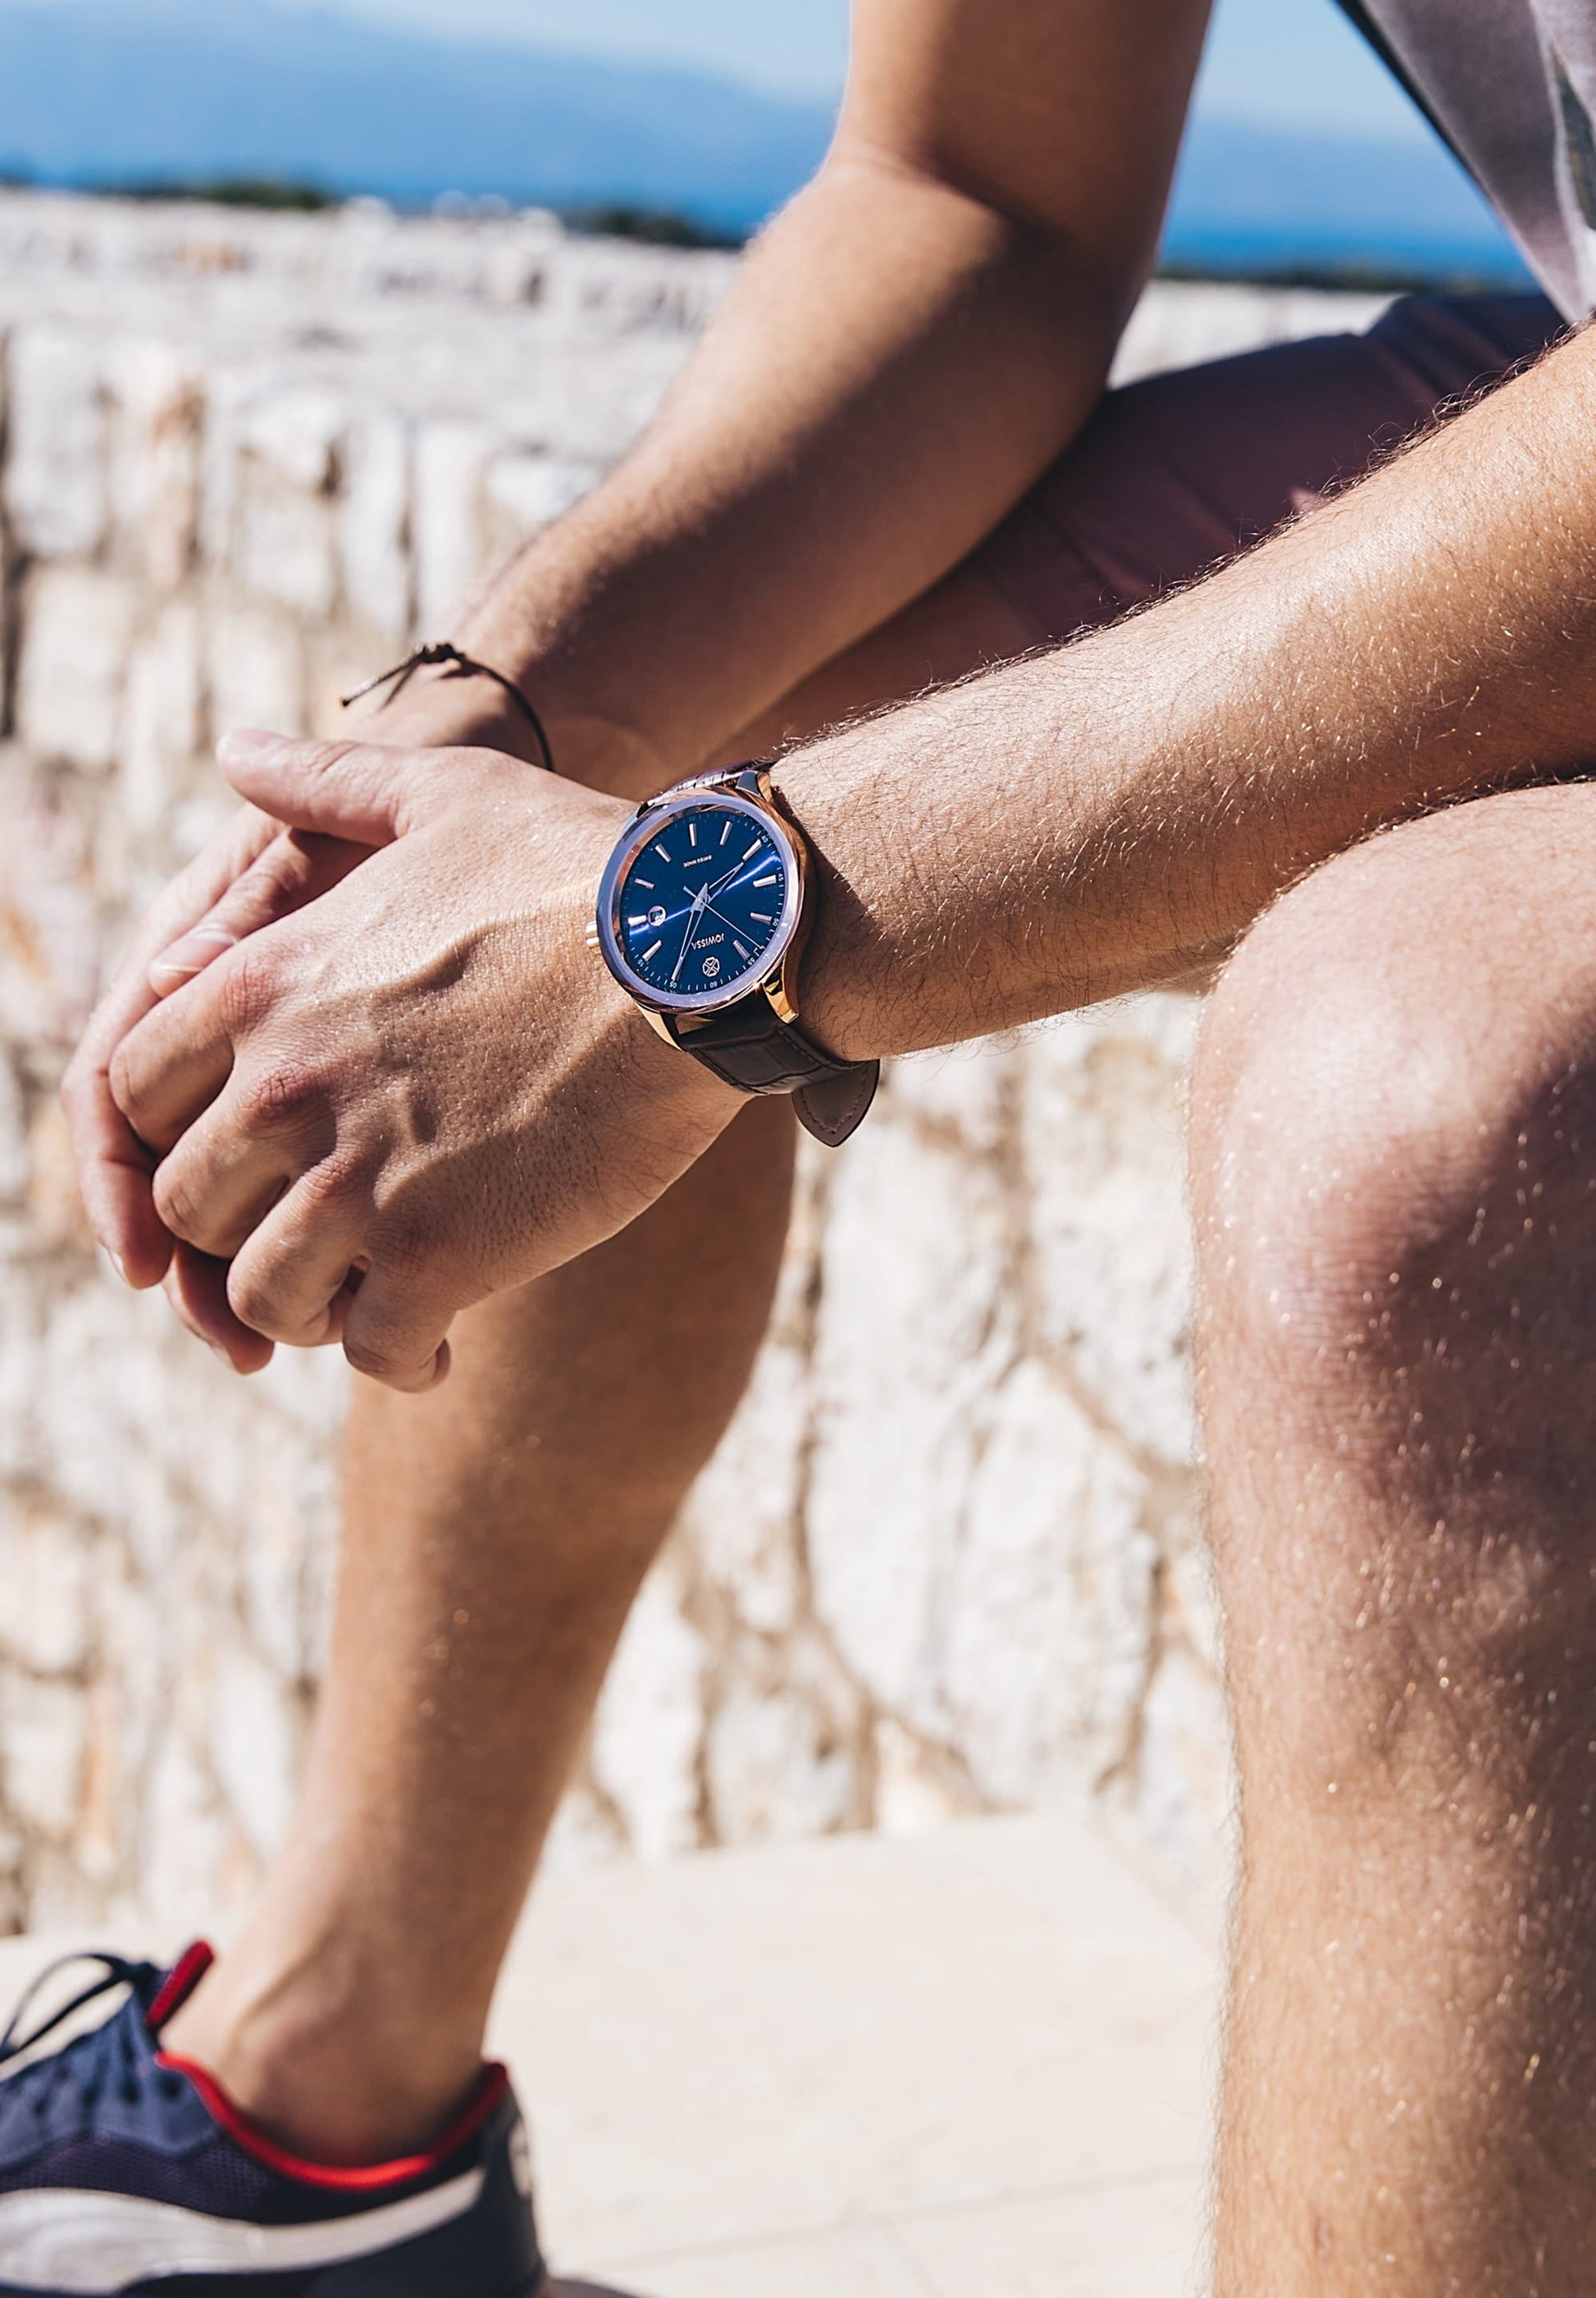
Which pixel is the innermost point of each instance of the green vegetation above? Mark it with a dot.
(1350, 279)
(654, 227)
(227, 192)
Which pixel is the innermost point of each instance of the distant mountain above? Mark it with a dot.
(108, 91)
(113, 91)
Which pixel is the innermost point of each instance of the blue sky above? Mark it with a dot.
(1292, 61)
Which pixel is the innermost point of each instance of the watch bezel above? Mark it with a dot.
(768, 968)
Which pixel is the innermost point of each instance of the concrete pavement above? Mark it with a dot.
(973, 2062)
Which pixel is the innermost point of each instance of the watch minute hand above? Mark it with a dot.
(694, 915)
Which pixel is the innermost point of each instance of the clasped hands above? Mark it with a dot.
(360, 1068)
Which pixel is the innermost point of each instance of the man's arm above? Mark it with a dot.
(425, 1077)
(1109, 816)
(908, 347)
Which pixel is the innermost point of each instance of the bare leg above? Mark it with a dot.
(495, 1536)
(1393, 1174)
(484, 1581)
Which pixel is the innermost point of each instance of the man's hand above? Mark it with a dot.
(423, 1087)
(253, 873)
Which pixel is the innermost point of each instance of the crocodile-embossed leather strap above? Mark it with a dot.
(751, 1048)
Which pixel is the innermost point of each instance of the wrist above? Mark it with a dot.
(848, 954)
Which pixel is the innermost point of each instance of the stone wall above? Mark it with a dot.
(947, 1558)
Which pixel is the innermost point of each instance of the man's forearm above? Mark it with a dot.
(897, 362)
(1111, 816)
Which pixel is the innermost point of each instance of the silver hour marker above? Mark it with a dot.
(692, 833)
(662, 852)
(726, 833)
(762, 917)
(755, 847)
(648, 953)
(633, 924)
(647, 883)
(774, 879)
(743, 954)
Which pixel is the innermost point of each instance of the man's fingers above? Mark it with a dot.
(113, 1166)
(114, 1171)
(304, 1279)
(352, 790)
(393, 1335)
(176, 1061)
(225, 1175)
(297, 868)
(298, 1275)
(197, 1289)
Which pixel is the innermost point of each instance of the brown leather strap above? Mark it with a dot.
(750, 1047)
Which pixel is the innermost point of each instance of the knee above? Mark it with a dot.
(1393, 1146)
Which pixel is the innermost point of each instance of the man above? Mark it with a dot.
(372, 1081)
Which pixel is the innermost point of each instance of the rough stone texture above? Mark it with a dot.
(947, 1558)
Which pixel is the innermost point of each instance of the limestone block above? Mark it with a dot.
(254, 670)
(285, 548)
(255, 1748)
(517, 271)
(56, 1211)
(586, 1833)
(776, 1768)
(97, 1392)
(1049, 1618)
(50, 931)
(287, 1529)
(189, 1851)
(20, 1457)
(158, 411)
(297, 435)
(916, 1324)
(78, 627)
(743, 1517)
(100, 1840)
(374, 517)
(450, 547)
(917, 1786)
(165, 718)
(16, 1162)
(44, 1574)
(960, 1096)
(649, 1724)
(55, 479)
(526, 492)
(1180, 1794)
(45, 1737)
(1110, 1276)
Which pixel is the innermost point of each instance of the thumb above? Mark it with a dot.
(342, 790)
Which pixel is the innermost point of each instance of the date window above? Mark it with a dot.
(657, 914)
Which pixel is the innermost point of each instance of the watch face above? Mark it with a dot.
(699, 906)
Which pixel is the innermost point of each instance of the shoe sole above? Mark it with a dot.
(539, 2286)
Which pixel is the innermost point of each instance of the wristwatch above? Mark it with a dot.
(704, 909)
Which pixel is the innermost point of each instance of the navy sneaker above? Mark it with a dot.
(122, 2169)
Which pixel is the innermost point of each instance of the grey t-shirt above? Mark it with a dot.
(1513, 84)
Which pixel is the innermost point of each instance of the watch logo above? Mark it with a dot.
(710, 941)
(697, 861)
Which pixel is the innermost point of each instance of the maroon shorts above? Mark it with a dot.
(1173, 475)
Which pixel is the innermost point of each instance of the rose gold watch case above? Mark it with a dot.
(774, 974)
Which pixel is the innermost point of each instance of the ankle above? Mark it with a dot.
(329, 2070)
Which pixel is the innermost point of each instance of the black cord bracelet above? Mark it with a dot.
(443, 654)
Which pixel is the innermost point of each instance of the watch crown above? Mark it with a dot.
(591, 935)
